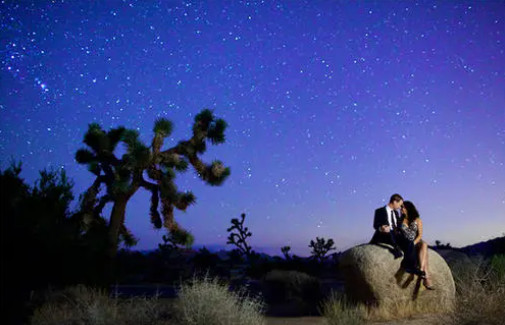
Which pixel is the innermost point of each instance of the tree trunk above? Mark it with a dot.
(117, 218)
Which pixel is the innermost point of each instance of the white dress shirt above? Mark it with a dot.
(390, 221)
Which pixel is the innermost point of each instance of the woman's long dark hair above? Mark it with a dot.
(412, 213)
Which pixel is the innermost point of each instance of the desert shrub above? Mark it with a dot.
(205, 261)
(76, 305)
(498, 268)
(87, 306)
(480, 289)
(338, 310)
(205, 301)
(144, 311)
(301, 289)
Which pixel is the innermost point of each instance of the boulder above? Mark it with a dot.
(373, 276)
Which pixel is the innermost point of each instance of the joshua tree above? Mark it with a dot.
(239, 238)
(320, 248)
(285, 250)
(122, 177)
(174, 241)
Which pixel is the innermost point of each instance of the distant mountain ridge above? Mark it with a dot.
(486, 248)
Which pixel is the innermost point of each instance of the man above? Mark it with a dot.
(386, 223)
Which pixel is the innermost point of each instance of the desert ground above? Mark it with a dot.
(418, 320)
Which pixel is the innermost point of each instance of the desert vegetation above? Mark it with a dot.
(123, 177)
(86, 305)
(201, 301)
(65, 266)
(68, 286)
(480, 285)
(208, 300)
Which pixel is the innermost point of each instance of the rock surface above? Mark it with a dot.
(373, 276)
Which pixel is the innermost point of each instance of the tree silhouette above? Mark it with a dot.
(439, 245)
(123, 177)
(239, 238)
(285, 250)
(41, 243)
(320, 248)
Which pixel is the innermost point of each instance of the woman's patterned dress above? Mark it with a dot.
(410, 231)
(407, 244)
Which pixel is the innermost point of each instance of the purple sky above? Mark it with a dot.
(332, 106)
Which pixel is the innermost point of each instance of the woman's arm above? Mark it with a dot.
(419, 231)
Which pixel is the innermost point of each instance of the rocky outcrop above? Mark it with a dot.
(373, 276)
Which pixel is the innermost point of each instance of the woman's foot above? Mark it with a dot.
(427, 283)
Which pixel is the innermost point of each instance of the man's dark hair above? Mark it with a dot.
(395, 197)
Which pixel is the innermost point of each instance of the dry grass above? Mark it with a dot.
(480, 300)
(207, 302)
(480, 287)
(81, 305)
(405, 310)
(395, 308)
(202, 302)
(337, 310)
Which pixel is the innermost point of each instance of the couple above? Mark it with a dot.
(398, 224)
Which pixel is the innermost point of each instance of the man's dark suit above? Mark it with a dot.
(381, 219)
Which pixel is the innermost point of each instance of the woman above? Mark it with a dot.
(412, 230)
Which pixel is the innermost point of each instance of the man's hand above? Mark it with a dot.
(385, 228)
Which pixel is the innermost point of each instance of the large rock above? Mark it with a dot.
(373, 276)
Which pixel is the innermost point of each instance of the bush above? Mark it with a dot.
(301, 290)
(498, 268)
(337, 310)
(204, 301)
(480, 289)
(82, 305)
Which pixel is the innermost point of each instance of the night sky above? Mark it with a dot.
(332, 107)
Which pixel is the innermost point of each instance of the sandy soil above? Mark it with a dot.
(418, 320)
(295, 321)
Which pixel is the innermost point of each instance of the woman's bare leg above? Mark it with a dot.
(421, 254)
(425, 267)
(426, 264)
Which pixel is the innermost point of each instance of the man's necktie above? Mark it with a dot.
(393, 221)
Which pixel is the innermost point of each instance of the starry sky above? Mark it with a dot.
(332, 107)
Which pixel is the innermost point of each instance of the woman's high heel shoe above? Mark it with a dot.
(426, 284)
